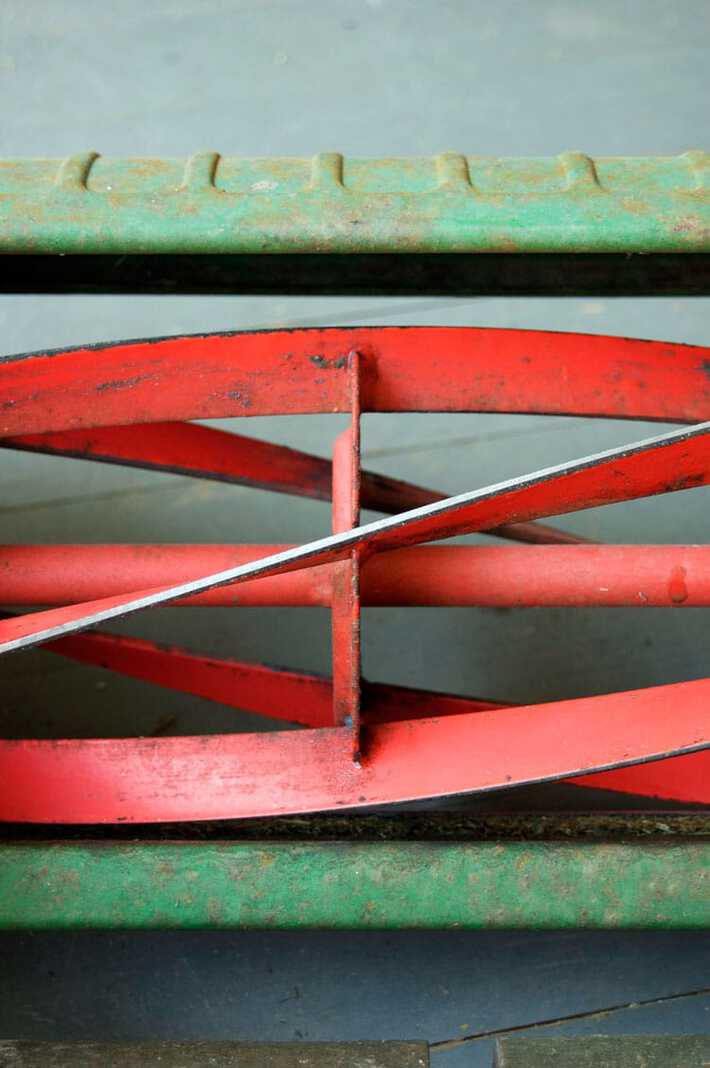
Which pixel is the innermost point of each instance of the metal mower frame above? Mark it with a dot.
(152, 225)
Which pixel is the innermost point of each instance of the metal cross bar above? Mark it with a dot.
(547, 576)
(450, 203)
(345, 598)
(656, 881)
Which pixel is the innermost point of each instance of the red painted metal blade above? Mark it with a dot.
(285, 695)
(411, 369)
(345, 597)
(217, 455)
(656, 576)
(685, 778)
(665, 464)
(232, 776)
(307, 700)
(291, 696)
(537, 534)
(189, 449)
(384, 703)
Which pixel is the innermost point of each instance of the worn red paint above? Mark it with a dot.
(410, 369)
(138, 780)
(345, 590)
(189, 449)
(308, 700)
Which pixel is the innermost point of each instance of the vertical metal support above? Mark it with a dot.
(345, 607)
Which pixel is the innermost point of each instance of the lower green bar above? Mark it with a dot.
(348, 885)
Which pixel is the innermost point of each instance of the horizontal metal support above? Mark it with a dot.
(640, 576)
(449, 203)
(649, 884)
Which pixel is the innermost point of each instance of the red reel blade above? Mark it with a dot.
(140, 780)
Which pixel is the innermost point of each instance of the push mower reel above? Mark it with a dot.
(360, 743)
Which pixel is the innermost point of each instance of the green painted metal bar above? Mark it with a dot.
(349, 885)
(449, 203)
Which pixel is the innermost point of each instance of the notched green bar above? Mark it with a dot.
(350, 885)
(451, 203)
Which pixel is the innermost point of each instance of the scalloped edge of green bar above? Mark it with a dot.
(450, 203)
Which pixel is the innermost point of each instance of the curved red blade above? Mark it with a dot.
(221, 456)
(232, 776)
(308, 700)
(418, 369)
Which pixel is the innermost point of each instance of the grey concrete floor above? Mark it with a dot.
(382, 77)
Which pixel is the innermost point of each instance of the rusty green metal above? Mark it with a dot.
(450, 203)
(350, 884)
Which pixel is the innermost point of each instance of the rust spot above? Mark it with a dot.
(677, 589)
(214, 910)
(693, 227)
(690, 481)
(329, 365)
(150, 168)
